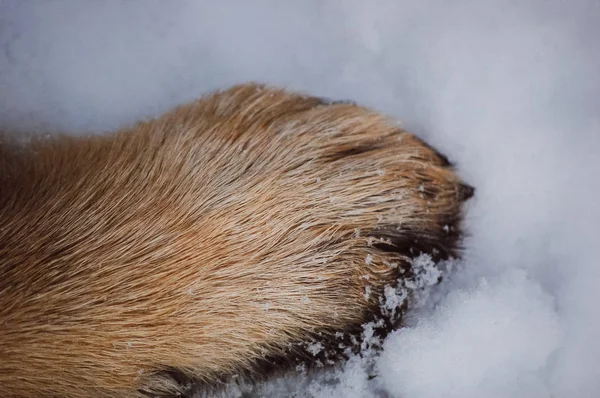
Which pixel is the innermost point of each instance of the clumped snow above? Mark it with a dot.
(509, 90)
(314, 348)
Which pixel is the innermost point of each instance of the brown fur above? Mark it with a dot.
(205, 242)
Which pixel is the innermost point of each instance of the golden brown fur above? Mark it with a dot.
(206, 240)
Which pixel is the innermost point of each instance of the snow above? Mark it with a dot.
(503, 355)
(509, 90)
(314, 348)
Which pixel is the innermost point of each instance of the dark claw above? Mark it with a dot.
(466, 191)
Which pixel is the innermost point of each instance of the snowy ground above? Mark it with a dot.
(510, 90)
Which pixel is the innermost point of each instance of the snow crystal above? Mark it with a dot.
(393, 297)
(314, 348)
(369, 339)
(301, 368)
(426, 272)
(367, 292)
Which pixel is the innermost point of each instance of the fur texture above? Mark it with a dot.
(207, 242)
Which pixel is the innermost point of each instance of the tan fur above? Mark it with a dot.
(203, 240)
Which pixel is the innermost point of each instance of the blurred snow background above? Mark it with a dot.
(509, 90)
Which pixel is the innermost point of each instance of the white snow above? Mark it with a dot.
(509, 90)
(503, 355)
(314, 348)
